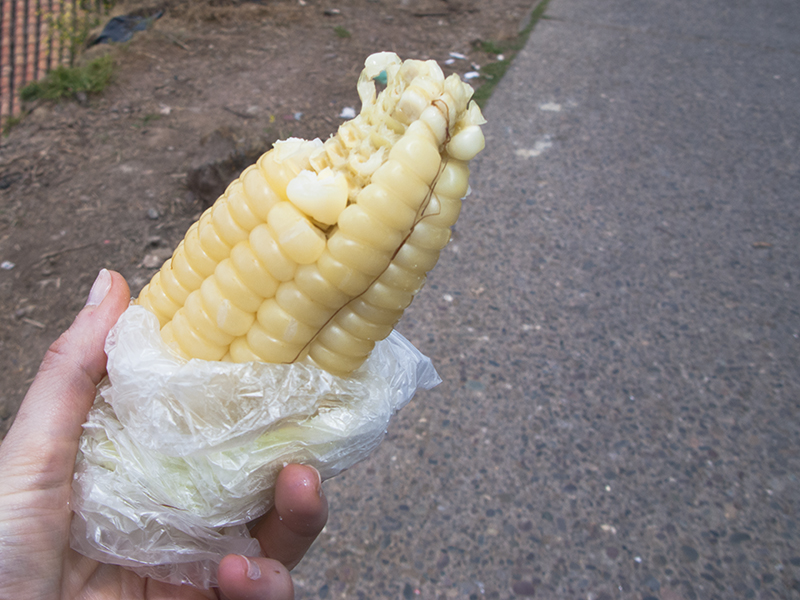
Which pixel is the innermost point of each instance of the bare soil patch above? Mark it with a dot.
(115, 180)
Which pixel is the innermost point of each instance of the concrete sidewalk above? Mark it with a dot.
(618, 328)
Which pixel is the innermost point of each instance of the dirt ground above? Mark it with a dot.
(115, 180)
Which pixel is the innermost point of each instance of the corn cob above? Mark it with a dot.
(314, 252)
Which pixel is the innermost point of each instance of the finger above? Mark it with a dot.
(243, 578)
(48, 425)
(299, 514)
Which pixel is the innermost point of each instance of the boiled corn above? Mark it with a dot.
(315, 251)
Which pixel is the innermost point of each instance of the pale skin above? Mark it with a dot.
(36, 464)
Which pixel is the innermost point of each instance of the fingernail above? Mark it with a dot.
(100, 288)
(319, 479)
(253, 571)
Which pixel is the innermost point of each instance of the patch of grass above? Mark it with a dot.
(342, 32)
(9, 123)
(490, 47)
(492, 73)
(65, 82)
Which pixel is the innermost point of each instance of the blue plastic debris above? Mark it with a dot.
(121, 29)
(381, 77)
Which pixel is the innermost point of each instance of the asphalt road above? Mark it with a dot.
(618, 329)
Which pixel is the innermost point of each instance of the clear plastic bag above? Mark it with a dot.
(177, 457)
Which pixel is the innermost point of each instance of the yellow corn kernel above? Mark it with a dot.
(314, 252)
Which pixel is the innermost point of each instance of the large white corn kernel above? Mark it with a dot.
(356, 223)
(281, 325)
(239, 207)
(347, 279)
(402, 183)
(429, 236)
(361, 327)
(197, 257)
(300, 306)
(375, 314)
(269, 253)
(453, 180)
(402, 279)
(334, 362)
(210, 241)
(228, 230)
(258, 278)
(418, 155)
(197, 314)
(231, 285)
(164, 306)
(358, 255)
(285, 160)
(384, 296)
(311, 282)
(383, 205)
(191, 343)
(442, 210)
(268, 348)
(466, 144)
(297, 237)
(171, 285)
(417, 259)
(322, 196)
(241, 352)
(345, 343)
(227, 316)
(186, 275)
(260, 196)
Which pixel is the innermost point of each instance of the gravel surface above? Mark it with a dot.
(617, 326)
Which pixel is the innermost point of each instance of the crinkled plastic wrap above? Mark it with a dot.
(178, 456)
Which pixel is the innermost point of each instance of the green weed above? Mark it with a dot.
(341, 32)
(65, 82)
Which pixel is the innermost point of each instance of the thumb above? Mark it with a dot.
(47, 428)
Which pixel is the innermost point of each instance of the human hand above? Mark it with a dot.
(37, 459)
